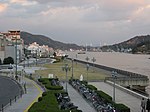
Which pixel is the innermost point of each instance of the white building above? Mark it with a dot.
(40, 51)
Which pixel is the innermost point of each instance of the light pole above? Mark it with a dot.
(16, 58)
(87, 68)
(114, 75)
(76, 58)
(72, 68)
(93, 60)
(36, 57)
(87, 59)
(66, 68)
(28, 61)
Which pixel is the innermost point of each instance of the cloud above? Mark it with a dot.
(3, 7)
(70, 20)
(24, 2)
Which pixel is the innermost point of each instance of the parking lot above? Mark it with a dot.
(78, 100)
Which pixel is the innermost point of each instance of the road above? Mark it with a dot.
(8, 90)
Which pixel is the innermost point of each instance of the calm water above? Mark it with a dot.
(136, 63)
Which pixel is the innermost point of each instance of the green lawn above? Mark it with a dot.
(78, 69)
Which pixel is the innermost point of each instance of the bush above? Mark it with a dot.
(44, 93)
(84, 82)
(91, 87)
(121, 108)
(105, 96)
(8, 60)
(48, 104)
(48, 86)
(39, 99)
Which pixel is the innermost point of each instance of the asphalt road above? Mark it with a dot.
(8, 90)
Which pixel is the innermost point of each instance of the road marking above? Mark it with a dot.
(35, 100)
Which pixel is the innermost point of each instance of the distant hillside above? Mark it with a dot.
(133, 43)
(43, 40)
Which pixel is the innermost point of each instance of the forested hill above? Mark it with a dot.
(137, 44)
(43, 40)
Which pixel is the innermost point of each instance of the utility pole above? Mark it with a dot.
(16, 55)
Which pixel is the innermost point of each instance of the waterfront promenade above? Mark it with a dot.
(136, 63)
(121, 97)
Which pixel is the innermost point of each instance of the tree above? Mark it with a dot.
(8, 60)
(54, 54)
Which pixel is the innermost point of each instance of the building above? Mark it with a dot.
(9, 41)
(39, 51)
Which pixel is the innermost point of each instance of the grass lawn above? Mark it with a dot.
(78, 69)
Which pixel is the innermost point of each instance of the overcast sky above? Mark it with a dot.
(95, 22)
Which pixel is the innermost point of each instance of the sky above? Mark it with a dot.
(83, 22)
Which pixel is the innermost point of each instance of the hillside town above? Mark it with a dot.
(11, 44)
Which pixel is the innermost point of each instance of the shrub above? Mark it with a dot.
(121, 108)
(44, 93)
(91, 87)
(84, 82)
(105, 96)
(8, 60)
(48, 86)
(39, 99)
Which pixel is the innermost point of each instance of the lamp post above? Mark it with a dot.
(93, 60)
(87, 68)
(87, 59)
(16, 56)
(36, 57)
(66, 68)
(72, 68)
(114, 75)
(76, 58)
(28, 60)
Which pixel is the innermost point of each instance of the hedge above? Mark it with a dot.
(106, 97)
(48, 101)
(91, 87)
(47, 83)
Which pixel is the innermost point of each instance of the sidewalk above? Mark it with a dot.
(78, 100)
(121, 97)
(24, 103)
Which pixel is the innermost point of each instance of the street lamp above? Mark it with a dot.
(16, 57)
(114, 75)
(87, 68)
(66, 68)
(76, 58)
(72, 68)
(36, 57)
(28, 60)
(93, 60)
(87, 59)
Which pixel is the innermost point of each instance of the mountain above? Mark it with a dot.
(134, 44)
(43, 40)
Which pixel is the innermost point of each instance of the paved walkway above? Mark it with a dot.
(24, 103)
(121, 97)
(78, 100)
(32, 95)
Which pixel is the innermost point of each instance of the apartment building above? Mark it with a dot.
(9, 41)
